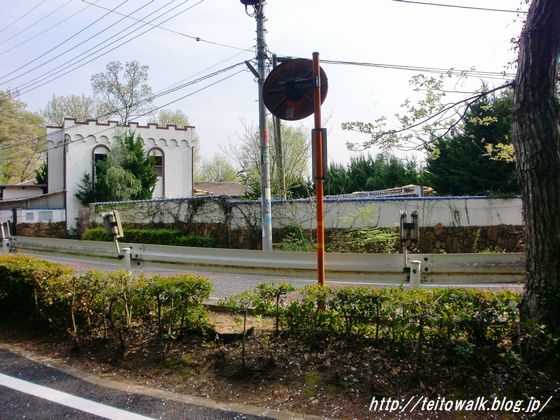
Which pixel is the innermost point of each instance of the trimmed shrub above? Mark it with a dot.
(96, 303)
(175, 302)
(31, 286)
(153, 236)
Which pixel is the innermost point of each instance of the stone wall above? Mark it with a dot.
(447, 224)
(42, 230)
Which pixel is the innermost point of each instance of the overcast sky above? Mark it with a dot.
(374, 31)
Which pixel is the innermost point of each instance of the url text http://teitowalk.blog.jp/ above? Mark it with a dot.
(419, 403)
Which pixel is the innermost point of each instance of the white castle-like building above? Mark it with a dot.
(73, 149)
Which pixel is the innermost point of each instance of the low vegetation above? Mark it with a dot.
(153, 236)
(322, 350)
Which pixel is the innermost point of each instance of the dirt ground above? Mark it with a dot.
(333, 380)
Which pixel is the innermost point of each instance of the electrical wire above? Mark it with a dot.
(24, 85)
(196, 38)
(22, 16)
(35, 23)
(485, 9)
(45, 30)
(151, 98)
(28, 84)
(420, 69)
(59, 44)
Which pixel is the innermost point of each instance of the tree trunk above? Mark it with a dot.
(536, 136)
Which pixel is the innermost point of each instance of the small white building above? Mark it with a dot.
(74, 147)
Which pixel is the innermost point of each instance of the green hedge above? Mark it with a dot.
(153, 236)
(96, 303)
(462, 318)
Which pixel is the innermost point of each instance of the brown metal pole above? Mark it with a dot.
(319, 172)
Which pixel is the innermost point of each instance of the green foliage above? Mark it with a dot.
(27, 283)
(80, 107)
(153, 236)
(177, 302)
(22, 141)
(365, 173)
(126, 174)
(460, 163)
(103, 304)
(42, 174)
(364, 240)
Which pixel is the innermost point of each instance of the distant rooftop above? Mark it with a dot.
(228, 189)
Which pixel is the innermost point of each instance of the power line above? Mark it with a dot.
(22, 16)
(35, 23)
(421, 69)
(46, 30)
(196, 38)
(59, 44)
(486, 9)
(157, 95)
(29, 84)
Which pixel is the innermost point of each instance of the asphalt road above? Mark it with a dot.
(226, 283)
(30, 390)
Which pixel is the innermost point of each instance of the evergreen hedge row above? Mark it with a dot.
(160, 236)
(96, 303)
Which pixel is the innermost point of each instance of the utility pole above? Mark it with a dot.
(266, 202)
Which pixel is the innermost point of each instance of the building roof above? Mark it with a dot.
(229, 189)
(24, 184)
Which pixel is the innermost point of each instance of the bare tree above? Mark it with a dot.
(124, 89)
(81, 107)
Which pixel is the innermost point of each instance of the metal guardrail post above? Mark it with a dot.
(127, 257)
(415, 272)
(5, 246)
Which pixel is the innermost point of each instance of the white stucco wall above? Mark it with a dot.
(82, 138)
(15, 192)
(343, 213)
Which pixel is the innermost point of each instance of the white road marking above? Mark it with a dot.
(68, 400)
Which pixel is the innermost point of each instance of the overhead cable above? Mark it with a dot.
(27, 86)
(46, 30)
(35, 23)
(22, 16)
(196, 38)
(59, 44)
(486, 9)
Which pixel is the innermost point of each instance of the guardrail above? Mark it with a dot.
(436, 268)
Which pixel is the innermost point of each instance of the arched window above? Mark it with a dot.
(159, 165)
(98, 154)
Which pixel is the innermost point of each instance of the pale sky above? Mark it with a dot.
(373, 31)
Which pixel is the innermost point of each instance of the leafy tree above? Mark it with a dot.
(128, 154)
(81, 107)
(217, 169)
(296, 155)
(42, 174)
(536, 136)
(124, 88)
(22, 142)
(365, 173)
(126, 174)
(460, 164)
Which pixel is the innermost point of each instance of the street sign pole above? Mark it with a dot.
(319, 169)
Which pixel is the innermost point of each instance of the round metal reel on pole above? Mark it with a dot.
(288, 89)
